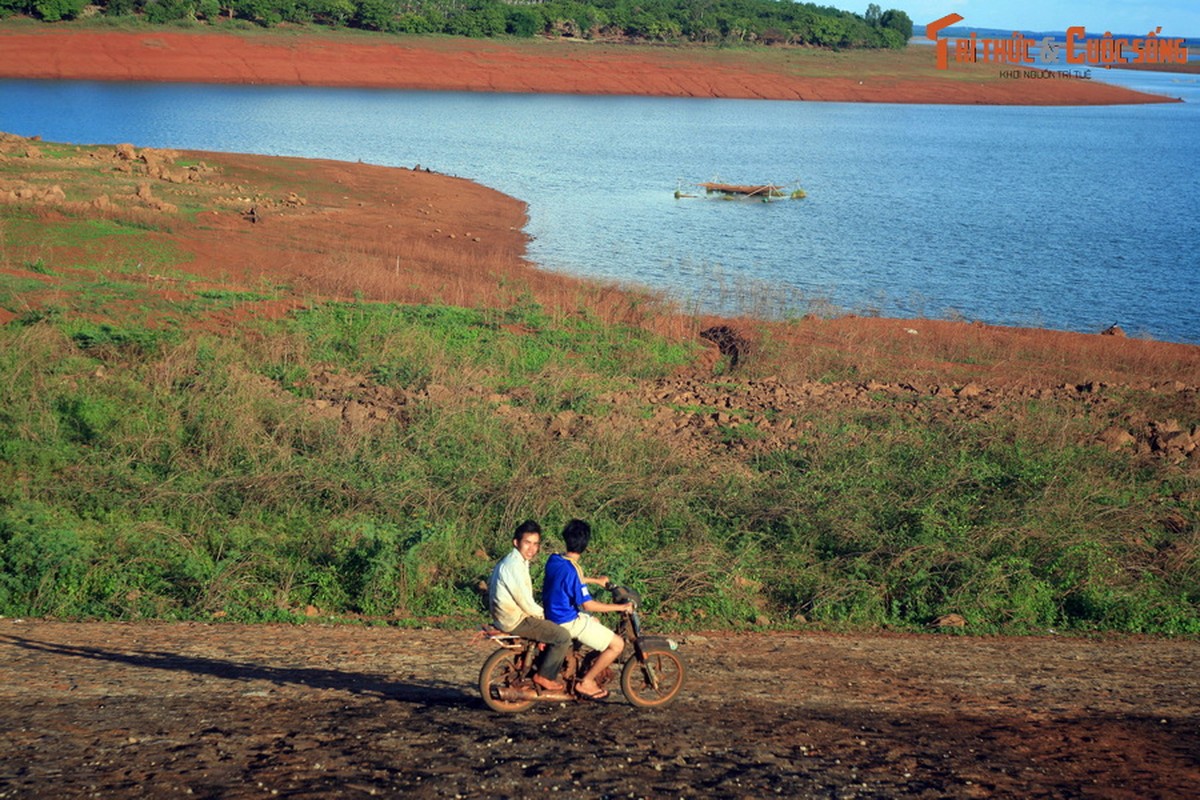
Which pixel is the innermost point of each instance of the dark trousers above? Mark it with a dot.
(554, 635)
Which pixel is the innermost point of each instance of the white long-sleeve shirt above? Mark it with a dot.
(510, 592)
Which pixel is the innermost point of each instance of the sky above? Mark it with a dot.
(1177, 17)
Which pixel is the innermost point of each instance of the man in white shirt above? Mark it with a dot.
(510, 597)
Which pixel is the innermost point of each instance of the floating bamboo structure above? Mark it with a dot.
(764, 190)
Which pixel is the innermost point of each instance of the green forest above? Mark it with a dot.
(770, 22)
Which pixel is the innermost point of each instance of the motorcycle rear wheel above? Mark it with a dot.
(500, 671)
(668, 670)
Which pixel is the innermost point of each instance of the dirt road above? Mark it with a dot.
(154, 710)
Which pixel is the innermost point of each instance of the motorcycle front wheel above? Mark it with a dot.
(500, 671)
(657, 682)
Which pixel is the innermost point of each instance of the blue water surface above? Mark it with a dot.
(1066, 218)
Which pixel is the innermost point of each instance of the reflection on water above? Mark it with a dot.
(1072, 218)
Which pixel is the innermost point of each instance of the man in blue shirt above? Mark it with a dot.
(566, 600)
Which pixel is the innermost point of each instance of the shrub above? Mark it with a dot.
(524, 21)
(56, 10)
(161, 11)
(43, 561)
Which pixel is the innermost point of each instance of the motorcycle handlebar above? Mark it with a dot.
(623, 594)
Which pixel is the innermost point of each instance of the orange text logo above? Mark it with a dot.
(1077, 49)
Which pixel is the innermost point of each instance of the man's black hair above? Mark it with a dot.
(528, 526)
(576, 536)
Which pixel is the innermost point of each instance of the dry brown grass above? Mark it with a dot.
(943, 351)
(424, 271)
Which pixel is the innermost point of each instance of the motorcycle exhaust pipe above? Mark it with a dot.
(512, 694)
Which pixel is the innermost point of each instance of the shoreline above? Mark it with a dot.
(541, 66)
(342, 229)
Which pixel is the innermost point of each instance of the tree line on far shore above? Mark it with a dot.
(705, 21)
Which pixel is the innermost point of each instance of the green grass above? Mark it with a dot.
(92, 241)
(149, 469)
(399, 344)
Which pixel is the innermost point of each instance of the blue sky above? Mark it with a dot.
(1177, 17)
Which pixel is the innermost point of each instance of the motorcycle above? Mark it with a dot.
(652, 672)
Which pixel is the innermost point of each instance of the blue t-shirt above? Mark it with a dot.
(563, 590)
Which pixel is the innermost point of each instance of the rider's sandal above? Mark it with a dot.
(547, 685)
(600, 695)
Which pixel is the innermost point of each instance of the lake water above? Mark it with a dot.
(1066, 218)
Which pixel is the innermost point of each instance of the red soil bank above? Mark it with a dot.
(506, 66)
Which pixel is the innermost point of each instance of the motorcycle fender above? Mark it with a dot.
(658, 643)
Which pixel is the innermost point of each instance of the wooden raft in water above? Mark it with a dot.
(765, 190)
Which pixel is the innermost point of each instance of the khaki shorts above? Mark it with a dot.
(589, 631)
